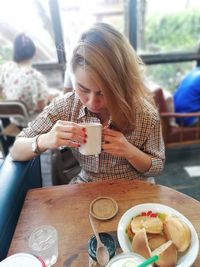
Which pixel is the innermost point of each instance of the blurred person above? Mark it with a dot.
(67, 82)
(19, 81)
(108, 88)
(187, 97)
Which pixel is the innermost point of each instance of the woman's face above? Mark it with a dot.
(88, 91)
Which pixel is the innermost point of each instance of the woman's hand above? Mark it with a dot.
(63, 133)
(115, 143)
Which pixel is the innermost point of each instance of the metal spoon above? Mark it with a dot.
(102, 253)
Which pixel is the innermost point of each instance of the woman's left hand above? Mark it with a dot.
(115, 143)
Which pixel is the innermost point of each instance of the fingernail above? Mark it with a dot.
(85, 135)
(84, 129)
(85, 141)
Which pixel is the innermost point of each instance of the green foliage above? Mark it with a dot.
(5, 53)
(168, 76)
(172, 33)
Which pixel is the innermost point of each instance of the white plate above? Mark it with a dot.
(185, 259)
(21, 260)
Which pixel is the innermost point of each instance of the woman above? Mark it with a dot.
(19, 81)
(108, 88)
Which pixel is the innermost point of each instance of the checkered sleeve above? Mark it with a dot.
(154, 146)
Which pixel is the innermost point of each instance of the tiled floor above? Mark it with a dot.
(182, 170)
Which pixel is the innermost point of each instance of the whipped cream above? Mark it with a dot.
(127, 262)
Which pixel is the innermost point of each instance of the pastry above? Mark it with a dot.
(140, 244)
(167, 255)
(177, 231)
(155, 240)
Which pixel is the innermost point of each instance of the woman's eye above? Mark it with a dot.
(84, 90)
(100, 94)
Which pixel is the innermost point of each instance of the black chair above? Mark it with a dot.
(8, 131)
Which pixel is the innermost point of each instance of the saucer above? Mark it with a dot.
(103, 208)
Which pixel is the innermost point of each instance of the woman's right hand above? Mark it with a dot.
(63, 133)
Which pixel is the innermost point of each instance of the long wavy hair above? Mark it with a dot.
(117, 69)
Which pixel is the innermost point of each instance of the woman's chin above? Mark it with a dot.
(94, 110)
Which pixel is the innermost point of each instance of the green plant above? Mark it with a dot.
(5, 53)
(172, 33)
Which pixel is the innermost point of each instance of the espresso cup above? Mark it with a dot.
(94, 135)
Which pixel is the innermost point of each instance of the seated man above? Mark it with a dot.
(187, 97)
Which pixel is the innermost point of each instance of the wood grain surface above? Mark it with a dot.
(66, 207)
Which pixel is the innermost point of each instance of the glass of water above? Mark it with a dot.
(43, 243)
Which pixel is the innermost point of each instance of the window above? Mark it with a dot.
(31, 17)
(168, 26)
(77, 15)
(168, 76)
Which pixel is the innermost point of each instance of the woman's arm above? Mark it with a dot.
(22, 149)
(118, 145)
(63, 133)
(149, 160)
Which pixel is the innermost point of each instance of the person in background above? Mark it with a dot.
(187, 97)
(19, 81)
(67, 82)
(108, 88)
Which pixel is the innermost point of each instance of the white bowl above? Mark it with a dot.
(185, 259)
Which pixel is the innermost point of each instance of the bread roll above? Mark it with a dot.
(140, 244)
(153, 225)
(177, 231)
(136, 224)
(155, 240)
(167, 255)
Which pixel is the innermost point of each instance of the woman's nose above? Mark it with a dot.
(93, 100)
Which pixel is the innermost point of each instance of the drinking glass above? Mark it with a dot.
(43, 243)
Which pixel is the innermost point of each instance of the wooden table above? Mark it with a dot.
(66, 208)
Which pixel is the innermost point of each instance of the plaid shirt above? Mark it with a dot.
(147, 136)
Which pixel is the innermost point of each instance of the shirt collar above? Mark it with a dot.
(83, 112)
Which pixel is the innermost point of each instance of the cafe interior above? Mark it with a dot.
(166, 36)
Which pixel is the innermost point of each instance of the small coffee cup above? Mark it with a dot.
(94, 136)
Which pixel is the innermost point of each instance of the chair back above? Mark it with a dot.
(162, 108)
(15, 109)
(8, 130)
(160, 100)
(175, 135)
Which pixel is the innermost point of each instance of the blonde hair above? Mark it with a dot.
(113, 62)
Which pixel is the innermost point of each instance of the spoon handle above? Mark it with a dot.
(94, 229)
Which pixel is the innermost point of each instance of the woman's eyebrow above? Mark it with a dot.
(79, 84)
(82, 86)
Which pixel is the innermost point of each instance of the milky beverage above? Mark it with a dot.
(43, 242)
(129, 259)
(125, 263)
